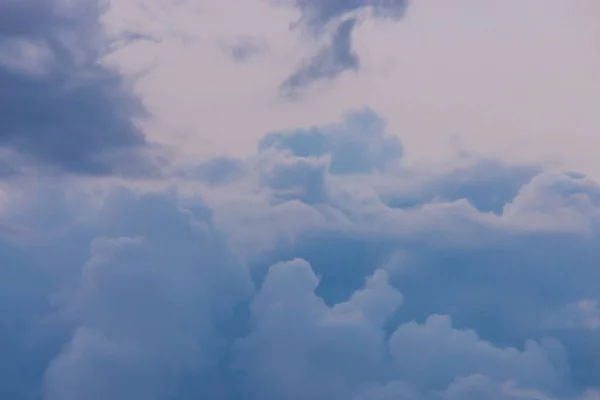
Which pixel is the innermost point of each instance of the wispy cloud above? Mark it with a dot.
(328, 63)
(245, 48)
(337, 56)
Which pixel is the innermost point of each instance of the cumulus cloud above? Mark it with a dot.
(299, 348)
(360, 144)
(301, 178)
(322, 266)
(145, 292)
(432, 355)
(140, 316)
(487, 184)
(61, 107)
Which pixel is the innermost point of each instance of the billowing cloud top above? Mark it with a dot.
(323, 264)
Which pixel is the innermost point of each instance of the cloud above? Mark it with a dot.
(584, 314)
(301, 178)
(338, 55)
(487, 184)
(129, 290)
(357, 145)
(218, 171)
(432, 355)
(23, 298)
(552, 122)
(324, 265)
(61, 107)
(140, 317)
(332, 60)
(437, 247)
(301, 348)
(244, 48)
(317, 14)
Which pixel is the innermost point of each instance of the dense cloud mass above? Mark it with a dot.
(305, 275)
(321, 267)
(59, 106)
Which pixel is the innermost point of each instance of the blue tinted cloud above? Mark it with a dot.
(321, 267)
(482, 285)
(301, 178)
(317, 17)
(245, 47)
(139, 314)
(59, 107)
(317, 14)
(358, 145)
(328, 63)
(333, 351)
(218, 171)
(488, 185)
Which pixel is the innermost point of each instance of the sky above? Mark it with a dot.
(299, 199)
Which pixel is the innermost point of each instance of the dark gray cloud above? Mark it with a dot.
(328, 63)
(59, 107)
(337, 18)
